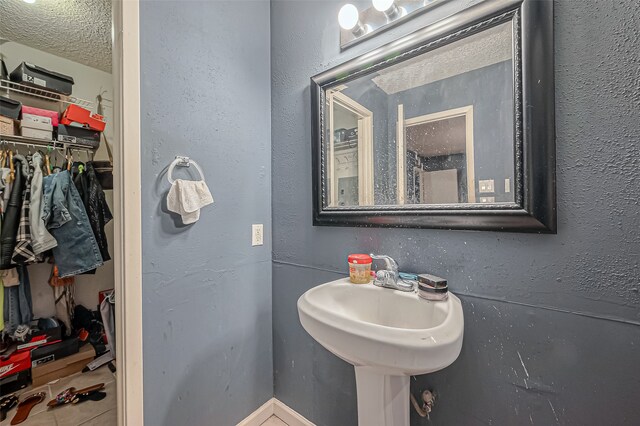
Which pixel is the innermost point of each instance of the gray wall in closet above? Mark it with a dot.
(206, 291)
(552, 323)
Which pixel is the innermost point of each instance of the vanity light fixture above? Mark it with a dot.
(358, 25)
(349, 19)
(389, 8)
(29, 1)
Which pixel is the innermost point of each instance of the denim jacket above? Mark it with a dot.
(66, 219)
(41, 239)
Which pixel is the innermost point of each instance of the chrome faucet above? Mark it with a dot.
(390, 277)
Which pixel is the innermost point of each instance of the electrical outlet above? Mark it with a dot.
(257, 234)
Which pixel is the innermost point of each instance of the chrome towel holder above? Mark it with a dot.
(183, 161)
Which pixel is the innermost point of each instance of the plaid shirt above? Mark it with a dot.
(23, 252)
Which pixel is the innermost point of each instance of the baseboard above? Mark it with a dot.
(273, 407)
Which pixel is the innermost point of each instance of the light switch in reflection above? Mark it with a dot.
(486, 185)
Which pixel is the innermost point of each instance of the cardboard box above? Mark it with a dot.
(17, 362)
(78, 135)
(53, 115)
(28, 132)
(43, 374)
(28, 119)
(7, 126)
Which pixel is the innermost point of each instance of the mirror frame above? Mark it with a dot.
(534, 209)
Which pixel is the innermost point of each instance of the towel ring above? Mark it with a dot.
(183, 162)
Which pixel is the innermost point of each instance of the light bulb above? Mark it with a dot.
(382, 5)
(348, 16)
(29, 1)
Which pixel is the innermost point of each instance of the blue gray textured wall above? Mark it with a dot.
(206, 291)
(552, 322)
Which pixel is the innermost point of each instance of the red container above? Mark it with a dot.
(17, 362)
(76, 114)
(43, 113)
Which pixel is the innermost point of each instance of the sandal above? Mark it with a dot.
(68, 395)
(6, 404)
(24, 408)
(89, 396)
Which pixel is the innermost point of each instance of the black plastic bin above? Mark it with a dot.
(33, 75)
(10, 108)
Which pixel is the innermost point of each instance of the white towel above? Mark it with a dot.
(187, 197)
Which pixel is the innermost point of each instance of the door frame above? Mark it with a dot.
(365, 149)
(402, 124)
(127, 208)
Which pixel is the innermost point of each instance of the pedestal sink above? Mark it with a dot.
(388, 336)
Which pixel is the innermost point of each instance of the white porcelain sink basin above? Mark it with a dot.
(388, 335)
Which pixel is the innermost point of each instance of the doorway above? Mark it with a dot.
(435, 158)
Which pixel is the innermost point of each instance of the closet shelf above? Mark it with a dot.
(43, 94)
(44, 143)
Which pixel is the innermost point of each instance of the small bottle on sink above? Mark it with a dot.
(359, 268)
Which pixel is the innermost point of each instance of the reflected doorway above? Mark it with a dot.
(435, 158)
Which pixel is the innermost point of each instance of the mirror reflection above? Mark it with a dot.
(436, 129)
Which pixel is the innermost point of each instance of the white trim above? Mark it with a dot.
(365, 148)
(259, 416)
(277, 408)
(401, 156)
(289, 415)
(127, 208)
(467, 112)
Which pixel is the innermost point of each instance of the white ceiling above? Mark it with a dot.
(474, 52)
(79, 30)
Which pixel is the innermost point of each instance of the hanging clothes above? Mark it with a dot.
(65, 217)
(23, 252)
(108, 313)
(41, 239)
(11, 216)
(64, 290)
(18, 309)
(95, 204)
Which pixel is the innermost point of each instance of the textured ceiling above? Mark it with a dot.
(476, 51)
(79, 30)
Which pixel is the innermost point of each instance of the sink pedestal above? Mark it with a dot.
(383, 400)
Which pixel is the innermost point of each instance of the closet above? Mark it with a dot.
(56, 229)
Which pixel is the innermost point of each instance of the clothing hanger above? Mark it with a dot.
(111, 297)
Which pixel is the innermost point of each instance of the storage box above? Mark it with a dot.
(42, 337)
(29, 132)
(36, 76)
(43, 374)
(84, 117)
(36, 125)
(17, 362)
(15, 382)
(42, 112)
(54, 352)
(7, 126)
(10, 108)
(28, 119)
(79, 135)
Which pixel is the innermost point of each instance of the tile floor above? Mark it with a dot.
(274, 421)
(89, 413)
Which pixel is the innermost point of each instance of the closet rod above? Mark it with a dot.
(33, 142)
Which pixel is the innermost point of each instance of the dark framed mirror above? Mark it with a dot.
(451, 127)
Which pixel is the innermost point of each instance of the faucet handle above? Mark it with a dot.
(388, 260)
